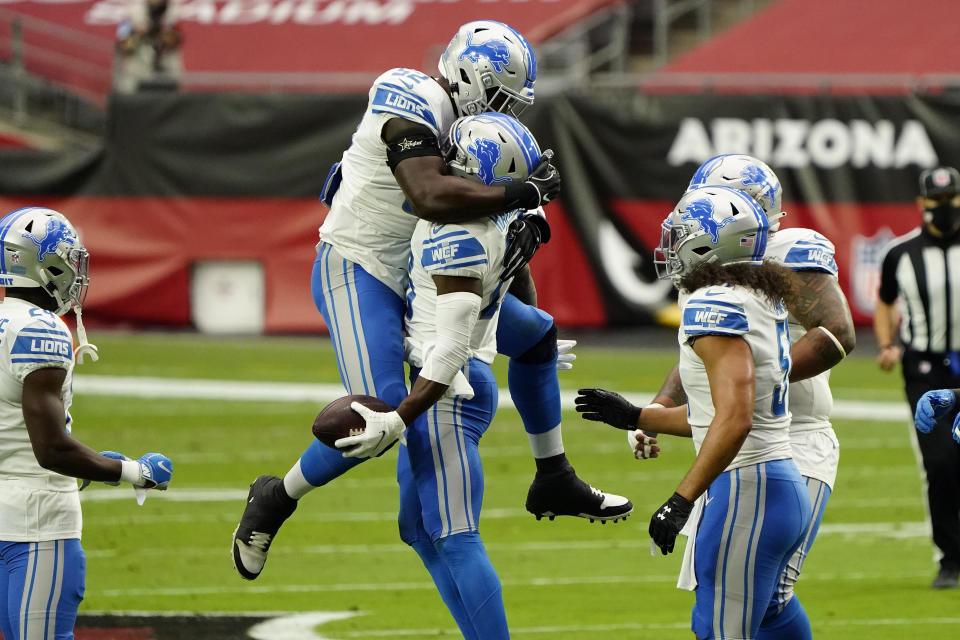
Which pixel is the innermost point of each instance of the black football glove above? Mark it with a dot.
(540, 187)
(668, 520)
(524, 237)
(607, 406)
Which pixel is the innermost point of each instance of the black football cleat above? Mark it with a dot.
(562, 493)
(268, 505)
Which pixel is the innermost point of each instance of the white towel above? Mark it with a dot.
(688, 577)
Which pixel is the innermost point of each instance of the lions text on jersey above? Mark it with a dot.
(35, 504)
(370, 221)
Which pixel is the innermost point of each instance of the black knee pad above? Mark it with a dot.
(543, 351)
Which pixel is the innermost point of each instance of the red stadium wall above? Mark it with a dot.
(142, 251)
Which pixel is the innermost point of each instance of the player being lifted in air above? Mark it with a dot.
(454, 296)
(43, 266)
(393, 174)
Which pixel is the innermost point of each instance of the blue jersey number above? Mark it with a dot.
(408, 77)
(779, 407)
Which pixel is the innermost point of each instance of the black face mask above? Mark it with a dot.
(945, 217)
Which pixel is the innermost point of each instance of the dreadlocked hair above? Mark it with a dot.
(771, 280)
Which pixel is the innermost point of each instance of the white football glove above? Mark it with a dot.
(565, 354)
(642, 445)
(383, 429)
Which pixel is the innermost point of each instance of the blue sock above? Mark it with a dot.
(791, 623)
(320, 464)
(449, 592)
(477, 581)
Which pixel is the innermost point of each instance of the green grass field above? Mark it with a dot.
(867, 575)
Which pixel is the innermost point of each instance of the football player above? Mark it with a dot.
(822, 333)
(42, 564)
(454, 295)
(734, 365)
(393, 174)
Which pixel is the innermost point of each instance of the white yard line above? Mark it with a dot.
(426, 585)
(896, 530)
(240, 390)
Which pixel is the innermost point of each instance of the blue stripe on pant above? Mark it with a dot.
(365, 318)
(41, 587)
(441, 493)
(439, 470)
(754, 520)
(819, 493)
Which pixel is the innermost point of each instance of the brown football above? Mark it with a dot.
(337, 420)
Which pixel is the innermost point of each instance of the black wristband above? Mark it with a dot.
(520, 195)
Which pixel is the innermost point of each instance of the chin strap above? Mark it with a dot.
(84, 348)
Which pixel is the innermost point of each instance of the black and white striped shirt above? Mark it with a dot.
(924, 273)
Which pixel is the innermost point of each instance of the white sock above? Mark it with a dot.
(547, 444)
(295, 483)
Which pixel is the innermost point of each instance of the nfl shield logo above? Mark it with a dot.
(867, 254)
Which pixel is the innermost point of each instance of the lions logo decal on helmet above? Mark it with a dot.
(702, 212)
(487, 153)
(57, 232)
(493, 50)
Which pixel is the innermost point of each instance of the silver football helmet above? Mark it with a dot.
(40, 248)
(490, 67)
(748, 174)
(711, 224)
(492, 148)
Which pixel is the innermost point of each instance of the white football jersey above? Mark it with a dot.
(35, 504)
(811, 401)
(471, 250)
(370, 221)
(738, 311)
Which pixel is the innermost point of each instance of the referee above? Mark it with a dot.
(922, 270)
